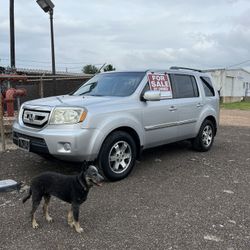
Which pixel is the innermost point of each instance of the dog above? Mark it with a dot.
(73, 189)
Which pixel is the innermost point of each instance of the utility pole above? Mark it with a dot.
(52, 50)
(12, 36)
(52, 42)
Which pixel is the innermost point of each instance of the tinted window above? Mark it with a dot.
(184, 86)
(207, 85)
(112, 84)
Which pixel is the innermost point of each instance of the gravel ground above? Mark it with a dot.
(175, 198)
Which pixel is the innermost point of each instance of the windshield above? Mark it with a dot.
(111, 84)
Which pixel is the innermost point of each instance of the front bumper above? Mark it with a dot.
(66, 142)
(37, 145)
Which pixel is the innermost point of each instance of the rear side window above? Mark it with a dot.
(184, 86)
(207, 85)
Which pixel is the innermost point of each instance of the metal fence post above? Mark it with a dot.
(1, 122)
(18, 103)
(41, 89)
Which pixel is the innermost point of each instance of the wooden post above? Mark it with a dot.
(1, 122)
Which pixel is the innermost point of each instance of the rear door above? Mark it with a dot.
(188, 102)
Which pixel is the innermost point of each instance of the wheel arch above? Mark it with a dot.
(131, 132)
(213, 120)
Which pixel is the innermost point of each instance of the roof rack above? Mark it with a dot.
(176, 67)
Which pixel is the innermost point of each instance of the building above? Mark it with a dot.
(232, 84)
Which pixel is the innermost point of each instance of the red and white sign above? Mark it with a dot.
(161, 83)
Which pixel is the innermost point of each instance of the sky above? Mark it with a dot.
(131, 34)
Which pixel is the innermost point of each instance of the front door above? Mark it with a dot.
(160, 122)
(160, 117)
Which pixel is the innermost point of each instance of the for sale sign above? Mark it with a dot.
(161, 83)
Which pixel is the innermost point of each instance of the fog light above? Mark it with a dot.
(67, 146)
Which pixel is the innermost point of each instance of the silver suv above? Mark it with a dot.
(114, 116)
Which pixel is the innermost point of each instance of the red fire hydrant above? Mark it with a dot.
(10, 95)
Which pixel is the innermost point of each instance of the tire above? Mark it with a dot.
(204, 140)
(117, 155)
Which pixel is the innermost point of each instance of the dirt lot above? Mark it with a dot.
(235, 118)
(174, 199)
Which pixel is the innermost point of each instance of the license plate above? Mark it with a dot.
(24, 144)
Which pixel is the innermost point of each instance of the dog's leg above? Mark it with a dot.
(75, 209)
(35, 205)
(45, 207)
(70, 217)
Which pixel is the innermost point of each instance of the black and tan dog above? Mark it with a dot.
(72, 189)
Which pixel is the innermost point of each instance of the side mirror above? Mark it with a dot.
(152, 95)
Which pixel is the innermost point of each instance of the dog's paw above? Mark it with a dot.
(71, 224)
(35, 225)
(79, 230)
(49, 219)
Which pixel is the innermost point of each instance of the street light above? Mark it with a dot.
(48, 6)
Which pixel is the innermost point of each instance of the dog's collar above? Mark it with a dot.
(82, 184)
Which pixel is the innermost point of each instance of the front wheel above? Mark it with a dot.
(117, 155)
(204, 140)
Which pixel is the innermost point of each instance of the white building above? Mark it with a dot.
(233, 84)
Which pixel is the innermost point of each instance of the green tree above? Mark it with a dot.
(90, 69)
(109, 67)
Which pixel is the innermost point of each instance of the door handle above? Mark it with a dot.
(198, 105)
(172, 108)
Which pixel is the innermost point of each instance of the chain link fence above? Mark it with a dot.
(37, 86)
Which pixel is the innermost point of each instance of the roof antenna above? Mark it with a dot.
(99, 70)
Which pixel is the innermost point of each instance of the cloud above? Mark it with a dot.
(131, 34)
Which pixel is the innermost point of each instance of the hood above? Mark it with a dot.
(70, 101)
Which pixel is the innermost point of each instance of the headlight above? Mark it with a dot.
(68, 115)
(20, 113)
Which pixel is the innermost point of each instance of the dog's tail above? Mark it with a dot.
(28, 196)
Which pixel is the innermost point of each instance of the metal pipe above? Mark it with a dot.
(24, 78)
(10, 98)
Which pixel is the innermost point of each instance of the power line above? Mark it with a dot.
(62, 63)
(40, 67)
(238, 64)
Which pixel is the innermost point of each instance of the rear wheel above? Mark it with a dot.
(117, 155)
(204, 140)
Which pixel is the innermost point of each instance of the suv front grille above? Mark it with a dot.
(35, 118)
